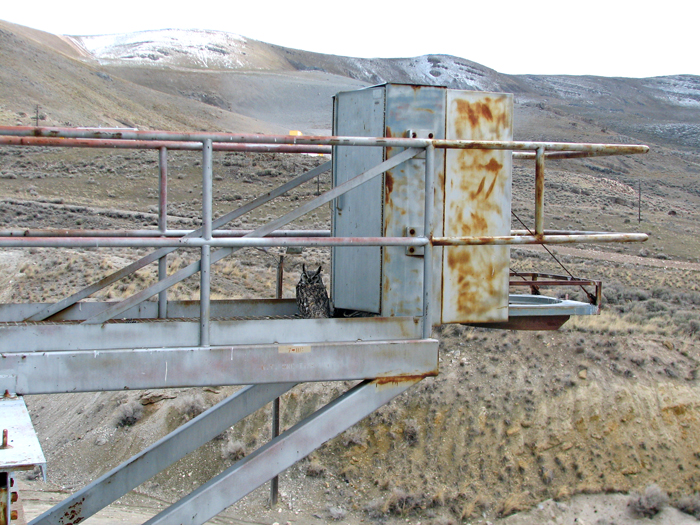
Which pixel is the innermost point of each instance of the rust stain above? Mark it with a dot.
(396, 380)
(479, 223)
(493, 185)
(476, 281)
(388, 132)
(493, 166)
(473, 113)
(482, 118)
(485, 110)
(474, 194)
(465, 111)
(73, 513)
(458, 258)
(678, 410)
(389, 185)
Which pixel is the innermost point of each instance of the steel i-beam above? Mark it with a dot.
(159, 456)
(282, 452)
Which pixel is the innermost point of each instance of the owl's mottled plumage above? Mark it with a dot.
(312, 298)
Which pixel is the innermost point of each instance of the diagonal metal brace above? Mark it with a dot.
(193, 268)
(282, 452)
(161, 454)
(152, 257)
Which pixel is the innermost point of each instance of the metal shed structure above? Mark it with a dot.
(420, 236)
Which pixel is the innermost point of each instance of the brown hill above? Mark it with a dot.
(38, 69)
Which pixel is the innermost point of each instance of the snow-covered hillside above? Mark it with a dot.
(658, 108)
(169, 47)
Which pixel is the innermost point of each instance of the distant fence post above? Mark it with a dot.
(639, 204)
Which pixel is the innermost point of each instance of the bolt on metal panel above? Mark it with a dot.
(477, 204)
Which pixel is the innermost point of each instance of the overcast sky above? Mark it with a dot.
(585, 37)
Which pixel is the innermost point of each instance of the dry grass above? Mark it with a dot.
(128, 413)
(648, 504)
(690, 505)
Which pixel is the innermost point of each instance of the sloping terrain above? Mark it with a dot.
(72, 92)
(606, 404)
(663, 109)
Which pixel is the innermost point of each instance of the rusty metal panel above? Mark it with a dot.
(410, 110)
(358, 213)
(477, 203)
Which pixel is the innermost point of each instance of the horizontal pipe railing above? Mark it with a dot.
(577, 282)
(539, 239)
(158, 144)
(268, 242)
(230, 240)
(19, 232)
(71, 133)
(191, 242)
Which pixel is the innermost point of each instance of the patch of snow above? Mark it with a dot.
(169, 47)
(432, 70)
(681, 90)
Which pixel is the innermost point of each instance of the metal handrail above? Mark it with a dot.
(308, 140)
(269, 235)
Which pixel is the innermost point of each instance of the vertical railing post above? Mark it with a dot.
(428, 232)
(275, 482)
(205, 266)
(539, 192)
(162, 227)
(280, 277)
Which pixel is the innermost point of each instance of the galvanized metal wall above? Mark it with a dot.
(358, 213)
(410, 110)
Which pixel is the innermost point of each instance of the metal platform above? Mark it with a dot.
(428, 261)
(19, 450)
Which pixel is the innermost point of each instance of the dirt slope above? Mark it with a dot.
(608, 404)
(70, 92)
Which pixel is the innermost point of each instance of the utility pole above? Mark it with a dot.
(639, 204)
(36, 119)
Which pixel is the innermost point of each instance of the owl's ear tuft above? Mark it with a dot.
(318, 272)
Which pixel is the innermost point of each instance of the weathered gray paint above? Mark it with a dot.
(358, 213)
(134, 369)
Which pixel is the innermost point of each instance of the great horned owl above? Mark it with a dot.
(312, 298)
